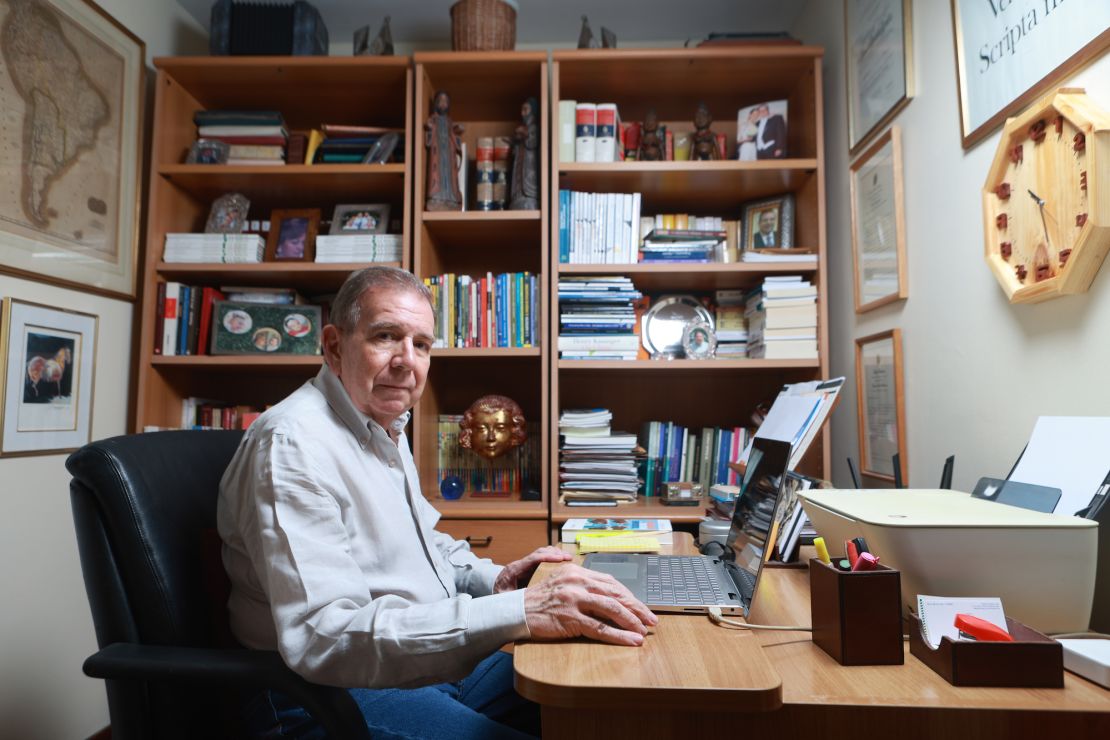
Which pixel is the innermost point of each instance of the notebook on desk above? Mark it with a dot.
(676, 583)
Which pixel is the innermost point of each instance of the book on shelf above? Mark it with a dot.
(597, 318)
(678, 453)
(359, 248)
(607, 144)
(565, 126)
(216, 248)
(804, 256)
(486, 311)
(204, 413)
(585, 132)
(599, 228)
(660, 529)
(596, 467)
(262, 294)
(783, 349)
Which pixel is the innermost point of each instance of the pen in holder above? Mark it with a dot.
(857, 616)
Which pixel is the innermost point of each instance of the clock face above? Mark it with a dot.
(1039, 230)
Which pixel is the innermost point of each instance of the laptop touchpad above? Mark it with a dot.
(623, 572)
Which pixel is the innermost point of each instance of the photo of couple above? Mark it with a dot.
(761, 131)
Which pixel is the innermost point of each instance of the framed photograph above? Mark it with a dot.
(761, 131)
(240, 328)
(699, 342)
(228, 214)
(370, 218)
(880, 401)
(48, 361)
(70, 170)
(1009, 53)
(208, 151)
(878, 224)
(878, 46)
(768, 223)
(293, 235)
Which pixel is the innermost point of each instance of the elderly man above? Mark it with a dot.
(335, 562)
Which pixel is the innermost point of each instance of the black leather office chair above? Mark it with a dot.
(144, 507)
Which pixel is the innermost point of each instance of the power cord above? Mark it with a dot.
(716, 617)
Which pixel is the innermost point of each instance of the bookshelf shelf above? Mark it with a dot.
(684, 366)
(487, 231)
(656, 277)
(305, 276)
(218, 362)
(479, 508)
(321, 185)
(485, 352)
(639, 509)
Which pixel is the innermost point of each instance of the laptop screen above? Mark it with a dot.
(751, 531)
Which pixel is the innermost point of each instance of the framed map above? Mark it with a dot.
(71, 97)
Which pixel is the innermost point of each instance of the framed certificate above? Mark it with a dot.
(1007, 53)
(880, 401)
(878, 44)
(878, 224)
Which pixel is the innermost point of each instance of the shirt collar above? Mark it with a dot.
(357, 422)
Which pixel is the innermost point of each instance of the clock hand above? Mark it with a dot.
(1040, 202)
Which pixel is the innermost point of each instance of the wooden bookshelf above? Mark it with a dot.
(487, 90)
(694, 393)
(308, 91)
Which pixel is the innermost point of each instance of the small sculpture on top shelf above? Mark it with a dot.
(492, 426)
(586, 39)
(441, 137)
(382, 45)
(704, 143)
(651, 139)
(526, 144)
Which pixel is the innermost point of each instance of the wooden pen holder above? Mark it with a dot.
(857, 617)
(1032, 660)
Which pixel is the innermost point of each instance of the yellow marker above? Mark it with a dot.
(822, 551)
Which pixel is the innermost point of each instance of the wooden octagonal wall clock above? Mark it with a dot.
(1046, 201)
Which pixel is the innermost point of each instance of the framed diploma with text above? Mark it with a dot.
(1009, 52)
(880, 401)
(878, 224)
(878, 44)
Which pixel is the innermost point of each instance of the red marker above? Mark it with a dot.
(981, 629)
(852, 553)
(866, 561)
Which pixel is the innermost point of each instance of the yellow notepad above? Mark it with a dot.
(610, 542)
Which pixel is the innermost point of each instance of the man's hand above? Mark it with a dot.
(576, 602)
(517, 573)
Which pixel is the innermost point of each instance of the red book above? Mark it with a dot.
(208, 297)
(722, 146)
(483, 324)
(670, 146)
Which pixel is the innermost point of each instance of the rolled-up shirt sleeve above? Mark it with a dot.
(329, 625)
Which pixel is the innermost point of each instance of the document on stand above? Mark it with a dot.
(1071, 453)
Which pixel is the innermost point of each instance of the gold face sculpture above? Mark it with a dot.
(492, 426)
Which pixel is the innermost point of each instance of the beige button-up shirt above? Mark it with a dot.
(334, 559)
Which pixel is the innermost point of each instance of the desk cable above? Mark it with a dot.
(716, 617)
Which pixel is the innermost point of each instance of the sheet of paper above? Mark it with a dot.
(1071, 453)
(938, 614)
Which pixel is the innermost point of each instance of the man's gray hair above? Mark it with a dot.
(346, 309)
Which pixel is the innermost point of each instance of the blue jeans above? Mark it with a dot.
(483, 705)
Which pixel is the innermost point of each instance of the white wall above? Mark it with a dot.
(978, 371)
(45, 628)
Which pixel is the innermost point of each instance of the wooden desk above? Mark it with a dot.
(692, 677)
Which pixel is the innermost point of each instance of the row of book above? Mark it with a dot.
(183, 313)
(678, 453)
(201, 413)
(782, 319)
(599, 228)
(254, 137)
(597, 466)
(214, 248)
(597, 317)
(344, 144)
(512, 473)
(486, 311)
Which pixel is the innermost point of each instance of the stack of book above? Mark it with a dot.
(599, 228)
(782, 319)
(597, 318)
(681, 245)
(597, 467)
(340, 144)
(359, 248)
(677, 453)
(731, 327)
(490, 311)
(255, 137)
(224, 248)
(511, 473)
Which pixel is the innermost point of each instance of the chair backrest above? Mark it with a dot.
(142, 507)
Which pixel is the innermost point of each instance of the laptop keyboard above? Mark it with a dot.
(682, 580)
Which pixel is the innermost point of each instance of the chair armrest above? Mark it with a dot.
(332, 707)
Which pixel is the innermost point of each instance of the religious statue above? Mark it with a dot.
(526, 144)
(704, 142)
(441, 137)
(651, 139)
(492, 426)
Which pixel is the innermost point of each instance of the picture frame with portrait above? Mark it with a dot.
(365, 218)
(293, 235)
(241, 328)
(768, 223)
(761, 131)
(48, 363)
(699, 341)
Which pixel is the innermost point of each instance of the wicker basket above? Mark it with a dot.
(483, 25)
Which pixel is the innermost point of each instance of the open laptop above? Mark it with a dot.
(683, 583)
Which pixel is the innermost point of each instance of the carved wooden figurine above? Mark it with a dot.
(441, 137)
(651, 139)
(704, 142)
(526, 144)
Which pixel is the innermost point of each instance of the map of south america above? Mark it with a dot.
(65, 110)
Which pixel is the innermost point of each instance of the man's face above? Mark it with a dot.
(767, 222)
(383, 362)
(492, 433)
